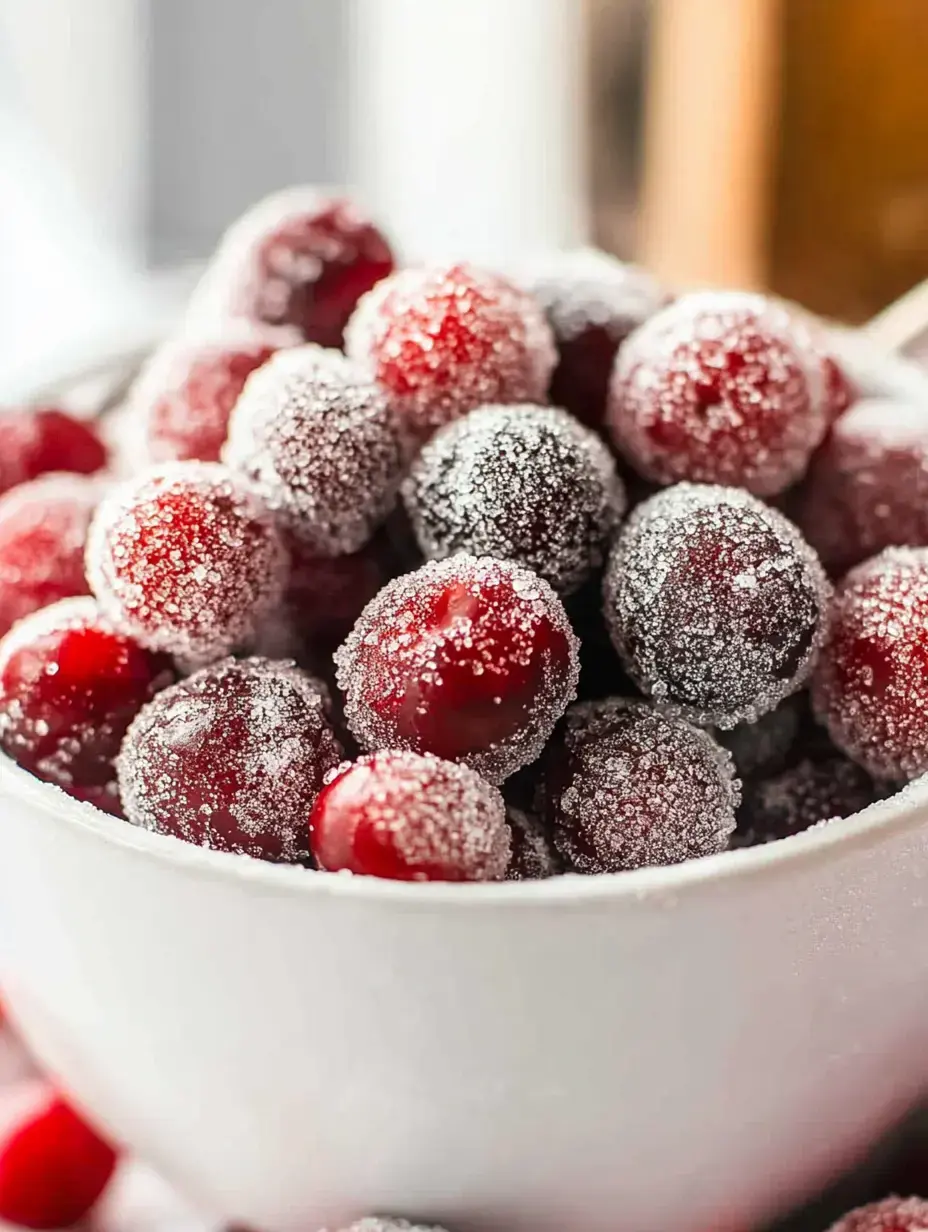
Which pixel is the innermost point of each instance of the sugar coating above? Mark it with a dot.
(504, 620)
(231, 758)
(870, 688)
(867, 488)
(186, 559)
(533, 856)
(627, 786)
(447, 339)
(437, 815)
(891, 1215)
(322, 446)
(375, 1224)
(763, 747)
(522, 483)
(812, 791)
(720, 387)
(715, 603)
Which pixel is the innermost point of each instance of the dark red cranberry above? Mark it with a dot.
(764, 747)
(533, 856)
(36, 441)
(890, 1215)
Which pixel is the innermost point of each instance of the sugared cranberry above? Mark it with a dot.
(533, 856)
(376, 1224)
(840, 393)
(521, 483)
(186, 559)
(321, 444)
(764, 747)
(442, 341)
(469, 658)
(41, 440)
(867, 488)
(890, 1215)
(626, 786)
(53, 1166)
(715, 603)
(871, 685)
(410, 817)
(231, 758)
(185, 393)
(721, 387)
(300, 258)
(70, 685)
(592, 303)
(43, 532)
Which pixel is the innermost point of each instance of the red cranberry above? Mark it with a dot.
(871, 685)
(70, 685)
(840, 393)
(890, 1215)
(377, 1224)
(592, 302)
(186, 559)
(533, 856)
(715, 603)
(40, 440)
(43, 531)
(521, 483)
(471, 659)
(443, 341)
(721, 387)
(626, 786)
(410, 817)
(764, 747)
(53, 1167)
(867, 488)
(321, 445)
(299, 258)
(231, 758)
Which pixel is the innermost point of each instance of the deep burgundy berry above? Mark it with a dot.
(764, 747)
(720, 387)
(186, 559)
(715, 603)
(442, 341)
(39, 440)
(232, 758)
(410, 817)
(890, 1215)
(870, 688)
(300, 258)
(43, 532)
(376, 1224)
(522, 483)
(469, 658)
(624, 786)
(70, 685)
(533, 856)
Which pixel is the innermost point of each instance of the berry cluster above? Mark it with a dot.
(506, 588)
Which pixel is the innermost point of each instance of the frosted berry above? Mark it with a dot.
(70, 685)
(53, 1167)
(43, 531)
(871, 685)
(715, 603)
(626, 786)
(592, 303)
(469, 658)
(533, 856)
(764, 747)
(321, 444)
(442, 341)
(720, 387)
(376, 1224)
(890, 1215)
(300, 258)
(410, 817)
(522, 483)
(39, 440)
(867, 488)
(186, 559)
(232, 758)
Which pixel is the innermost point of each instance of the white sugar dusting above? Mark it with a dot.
(375, 1224)
(812, 791)
(533, 856)
(715, 603)
(321, 444)
(522, 483)
(891, 1215)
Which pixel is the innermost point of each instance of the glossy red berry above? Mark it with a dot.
(720, 387)
(890, 1215)
(469, 658)
(70, 685)
(870, 688)
(410, 817)
(53, 1167)
(36, 441)
(186, 559)
(232, 758)
(43, 532)
(442, 341)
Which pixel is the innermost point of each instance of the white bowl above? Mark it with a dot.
(673, 1049)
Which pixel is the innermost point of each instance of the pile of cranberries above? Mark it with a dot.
(434, 574)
